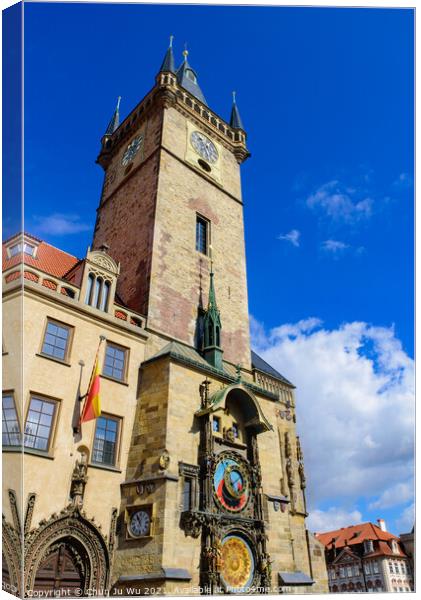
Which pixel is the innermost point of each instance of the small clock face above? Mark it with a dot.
(140, 523)
(231, 485)
(204, 147)
(132, 149)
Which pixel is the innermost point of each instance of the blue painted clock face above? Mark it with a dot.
(230, 483)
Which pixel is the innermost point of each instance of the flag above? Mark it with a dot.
(92, 408)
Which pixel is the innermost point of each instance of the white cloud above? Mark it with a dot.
(405, 522)
(293, 237)
(355, 406)
(399, 493)
(333, 518)
(59, 224)
(340, 203)
(334, 246)
(404, 180)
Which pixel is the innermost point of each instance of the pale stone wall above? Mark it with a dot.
(49, 475)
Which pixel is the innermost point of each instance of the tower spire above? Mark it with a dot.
(212, 350)
(235, 120)
(168, 62)
(187, 78)
(115, 119)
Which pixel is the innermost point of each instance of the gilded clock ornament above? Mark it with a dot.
(238, 564)
(131, 150)
(204, 147)
(140, 524)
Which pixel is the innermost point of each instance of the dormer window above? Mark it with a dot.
(99, 280)
(19, 248)
(191, 76)
(395, 547)
(368, 546)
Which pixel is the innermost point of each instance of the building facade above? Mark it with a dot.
(366, 558)
(192, 479)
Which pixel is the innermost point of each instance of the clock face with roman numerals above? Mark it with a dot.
(204, 147)
(140, 523)
(131, 150)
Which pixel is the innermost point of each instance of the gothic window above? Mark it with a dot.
(218, 341)
(210, 335)
(216, 424)
(202, 234)
(39, 423)
(56, 340)
(11, 428)
(97, 292)
(187, 493)
(105, 442)
(115, 362)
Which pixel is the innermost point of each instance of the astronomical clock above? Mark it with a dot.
(229, 514)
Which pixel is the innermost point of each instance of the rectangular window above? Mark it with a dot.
(216, 424)
(115, 362)
(56, 340)
(375, 567)
(349, 571)
(342, 572)
(390, 567)
(15, 249)
(11, 428)
(356, 570)
(187, 491)
(105, 442)
(367, 568)
(202, 235)
(39, 423)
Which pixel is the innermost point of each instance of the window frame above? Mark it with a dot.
(53, 427)
(69, 343)
(126, 352)
(207, 224)
(216, 419)
(11, 393)
(103, 465)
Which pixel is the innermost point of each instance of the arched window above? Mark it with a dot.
(89, 288)
(217, 343)
(97, 289)
(104, 295)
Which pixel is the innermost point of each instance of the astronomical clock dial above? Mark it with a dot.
(231, 484)
(131, 150)
(238, 564)
(204, 147)
(140, 524)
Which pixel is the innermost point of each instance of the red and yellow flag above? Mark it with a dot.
(92, 408)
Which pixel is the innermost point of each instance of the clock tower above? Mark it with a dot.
(213, 494)
(171, 203)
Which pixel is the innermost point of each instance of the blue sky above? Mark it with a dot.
(326, 96)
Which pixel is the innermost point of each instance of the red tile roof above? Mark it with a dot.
(48, 259)
(354, 534)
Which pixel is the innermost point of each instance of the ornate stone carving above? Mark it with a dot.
(79, 479)
(15, 511)
(72, 527)
(191, 523)
(164, 460)
(29, 512)
(204, 393)
(103, 260)
(300, 459)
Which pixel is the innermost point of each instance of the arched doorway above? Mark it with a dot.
(63, 569)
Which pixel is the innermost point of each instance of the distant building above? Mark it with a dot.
(366, 558)
(407, 540)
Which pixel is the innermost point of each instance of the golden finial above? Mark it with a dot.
(185, 51)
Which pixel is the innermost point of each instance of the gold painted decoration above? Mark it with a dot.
(237, 564)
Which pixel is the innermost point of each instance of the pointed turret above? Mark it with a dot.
(168, 62)
(187, 78)
(115, 120)
(212, 350)
(235, 120)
